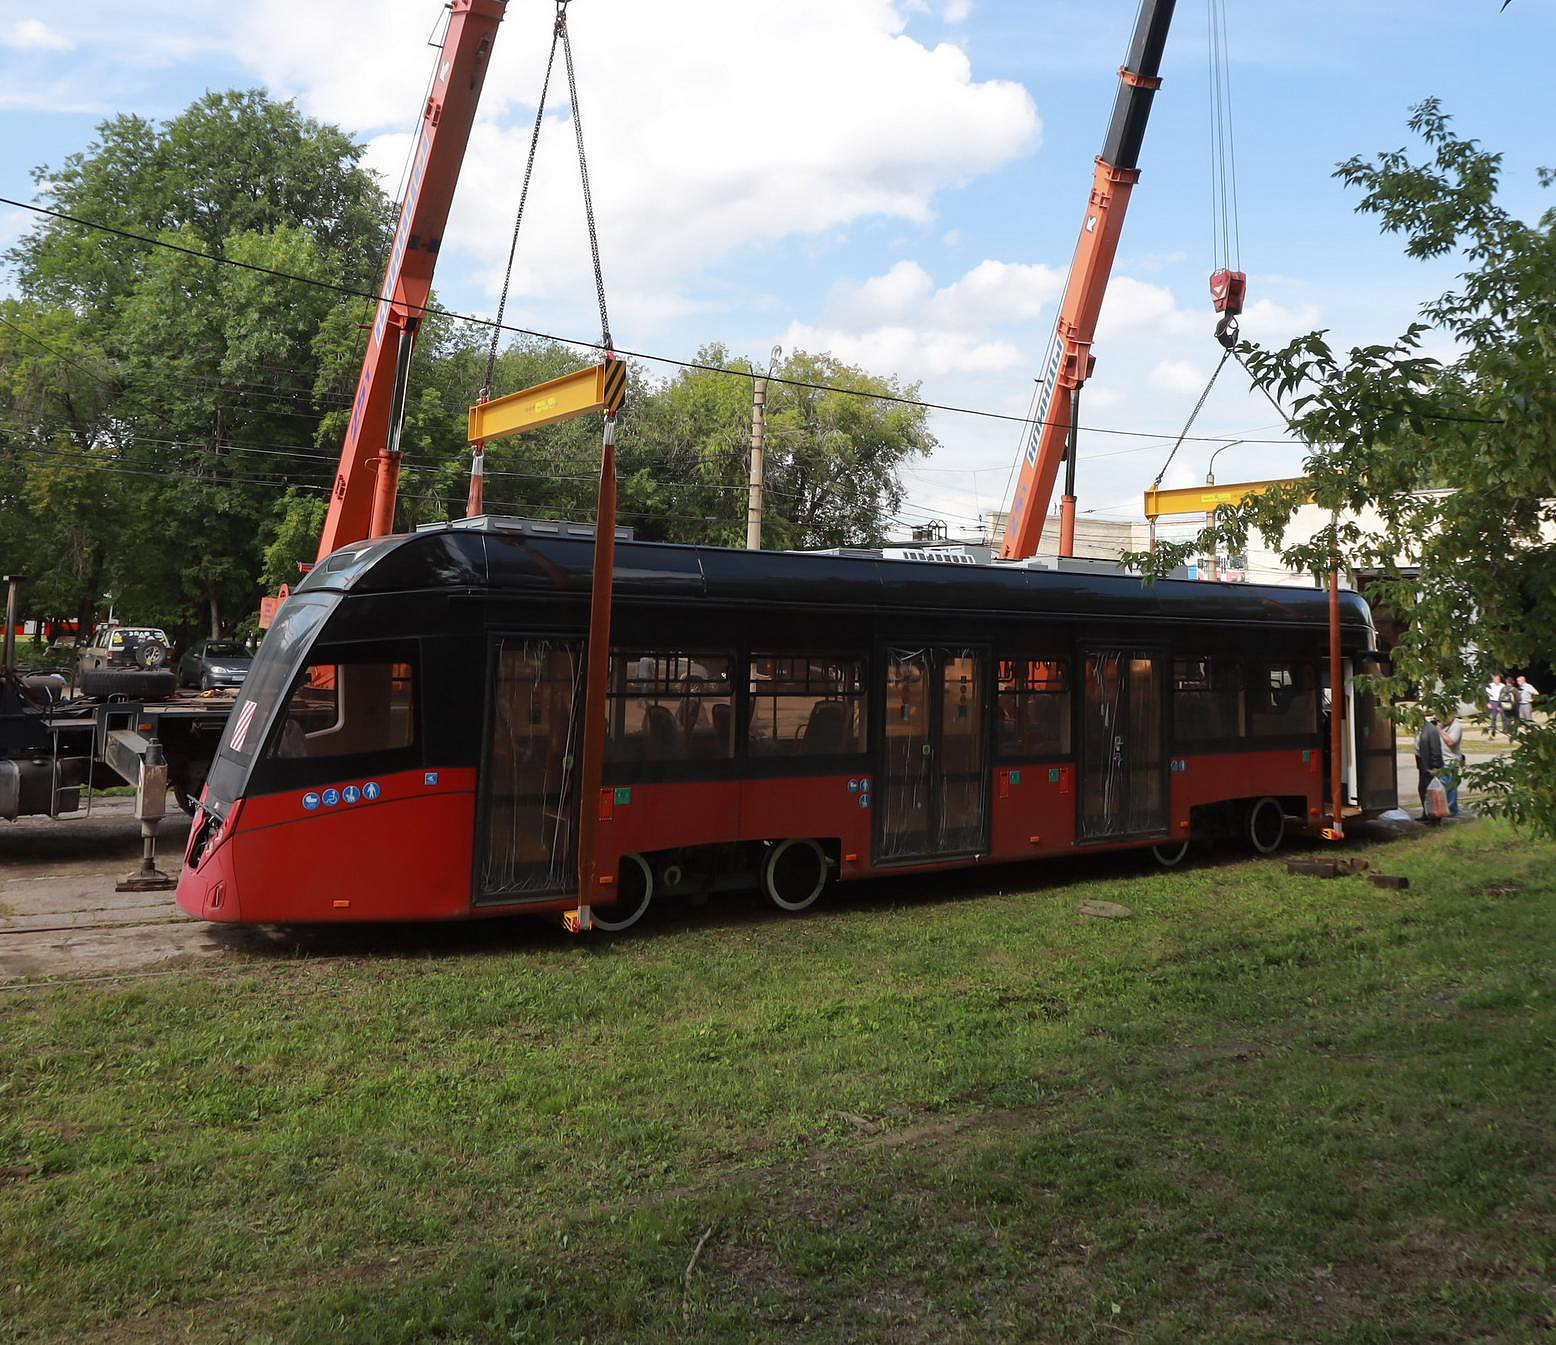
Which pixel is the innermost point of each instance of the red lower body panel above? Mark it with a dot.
(401, 848)
(395, 848)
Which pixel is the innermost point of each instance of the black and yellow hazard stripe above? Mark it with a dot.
(615, 386)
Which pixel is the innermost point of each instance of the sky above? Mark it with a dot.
(898, 182)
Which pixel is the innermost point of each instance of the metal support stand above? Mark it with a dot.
(150, 807)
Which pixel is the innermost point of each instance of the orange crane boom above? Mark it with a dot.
(362, 501)
(1070, 361)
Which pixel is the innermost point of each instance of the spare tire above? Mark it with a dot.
(135, 684)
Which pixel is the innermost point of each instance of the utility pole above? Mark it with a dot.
(758, 466)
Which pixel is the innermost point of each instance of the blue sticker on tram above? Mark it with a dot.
(853, 786)
(350, 794)
(371, 790)
(430, 778)
(310, 801)
(864, 800)
(331, 797)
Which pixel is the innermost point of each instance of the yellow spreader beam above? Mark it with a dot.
(600, 387)
(1206, 499)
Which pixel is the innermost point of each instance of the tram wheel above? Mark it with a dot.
(634, 890)
(794, 873)
(1266, 826)
(1169, 856)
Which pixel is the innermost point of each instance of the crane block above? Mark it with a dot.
(1206, 499)
(600, 387)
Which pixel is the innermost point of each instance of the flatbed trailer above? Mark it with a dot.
(55, 753)
(53, 757)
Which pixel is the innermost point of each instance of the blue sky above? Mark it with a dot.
(900, 181)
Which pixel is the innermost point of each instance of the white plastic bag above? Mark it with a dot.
(1436, 799)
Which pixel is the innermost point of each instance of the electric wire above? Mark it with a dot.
(648, 356)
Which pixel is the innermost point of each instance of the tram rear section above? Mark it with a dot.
(408, 744)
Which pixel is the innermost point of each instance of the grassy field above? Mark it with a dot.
(1260, 1108)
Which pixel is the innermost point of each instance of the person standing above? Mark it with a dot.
(1527, 691)
(1509, 705)
(1494, 706)
(1429, 759)
(1452, 731)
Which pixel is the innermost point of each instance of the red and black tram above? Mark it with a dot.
(408, 743)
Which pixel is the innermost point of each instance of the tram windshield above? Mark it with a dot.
(280, 654)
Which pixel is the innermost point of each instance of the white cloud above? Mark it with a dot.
(1135, 307)
(997, 292)
(35, 35)
(910, 353)
(899, 323)
(694, 154)
(956, 11)
(1177, 376)
(905, 287)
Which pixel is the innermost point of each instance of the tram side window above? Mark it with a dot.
(347, 709)
(670, 705)
(806, 705)
(1207, 699)
(1281, 700)
(1034, 708)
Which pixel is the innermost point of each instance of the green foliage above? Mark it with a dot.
(157, 405)
(170, 428)
(1443, 474)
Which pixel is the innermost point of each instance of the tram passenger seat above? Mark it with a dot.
(661, 735)
(723, 724)
(826, 732)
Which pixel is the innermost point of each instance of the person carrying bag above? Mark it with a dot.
(1429, 761)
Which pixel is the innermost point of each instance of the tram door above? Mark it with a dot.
(527, 848)
(929, 795)
(1123, 765)
(1377, 763)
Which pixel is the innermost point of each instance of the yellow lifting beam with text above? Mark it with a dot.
(600, 387)
(1206, 499)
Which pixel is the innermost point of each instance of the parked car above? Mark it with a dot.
(127, 661)
(214, 663)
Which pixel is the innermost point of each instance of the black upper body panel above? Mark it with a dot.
(496, 563)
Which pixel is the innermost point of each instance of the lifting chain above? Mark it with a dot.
(1193, 416)
(583, 173)
(558, 33)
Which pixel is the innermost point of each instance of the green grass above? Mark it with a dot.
(1263, 1108)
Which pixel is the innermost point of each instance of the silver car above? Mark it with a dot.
(214, 663)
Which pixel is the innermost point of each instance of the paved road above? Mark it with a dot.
(59, 913)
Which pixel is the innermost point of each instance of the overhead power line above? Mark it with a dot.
(353, 293)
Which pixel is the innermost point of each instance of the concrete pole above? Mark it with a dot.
(758, 433)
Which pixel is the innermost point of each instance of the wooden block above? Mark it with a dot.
(1314, 868)
(1389, 881)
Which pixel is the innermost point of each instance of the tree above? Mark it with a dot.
(61, 495)
(190, 393)
(235, 162)
(835, 442)
(1471, 566)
